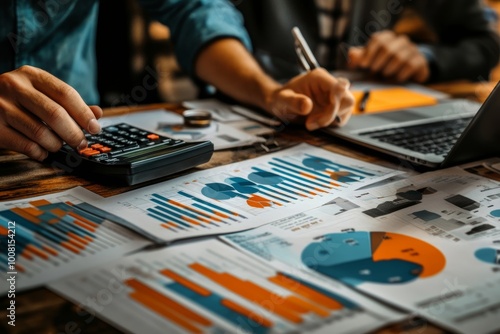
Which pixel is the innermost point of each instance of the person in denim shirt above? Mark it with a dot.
(48, 89)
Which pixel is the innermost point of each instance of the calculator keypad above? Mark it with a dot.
(119, 139)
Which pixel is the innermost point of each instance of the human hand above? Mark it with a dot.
(38, 112)
(316, 98)
(393, 56)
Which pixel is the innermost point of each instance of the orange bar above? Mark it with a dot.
(85, 220)
(311, 294)
(40, 202)
(27, 254)
(247, 313)
(187, 283)
(26, 215)
(83, 225)
(50, 250)
(4, 230)
(70, 247)
(165, 226)
(20, 268)
(308, 306)
(144, 290)
(58, 212)
(220, 214)
(33, 211)
(78, 238)
(194, 210)
(304, 174)
(189, 220)
(157, 307)
(252, 292)
(37, 251)
(75, 242)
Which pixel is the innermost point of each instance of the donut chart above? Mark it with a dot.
(377, 257)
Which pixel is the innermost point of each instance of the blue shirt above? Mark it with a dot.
(59, 35)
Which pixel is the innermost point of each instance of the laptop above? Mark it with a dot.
(443, 135)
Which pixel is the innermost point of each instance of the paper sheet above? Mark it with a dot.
(209, 287)
(429, 244)
(57, 235)
(242, 195)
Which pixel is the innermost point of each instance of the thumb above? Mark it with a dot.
(289, 102)
(355, 55)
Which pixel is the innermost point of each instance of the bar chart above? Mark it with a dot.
(242, 195)
(57, 234)
(212, 288)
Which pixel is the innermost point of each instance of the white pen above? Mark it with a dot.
(305, 55)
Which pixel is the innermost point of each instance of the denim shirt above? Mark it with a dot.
(59, 35)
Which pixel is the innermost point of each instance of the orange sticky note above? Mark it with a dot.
(392, 99)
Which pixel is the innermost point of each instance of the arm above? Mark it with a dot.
(315, 98)
(211, 44)
(469, 48)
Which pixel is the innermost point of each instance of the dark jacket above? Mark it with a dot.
(464, 46)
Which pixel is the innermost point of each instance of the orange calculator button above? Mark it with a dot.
(104, 149)
(152, 136)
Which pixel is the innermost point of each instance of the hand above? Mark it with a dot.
(315, 98)
(393, 56)
(38, 112)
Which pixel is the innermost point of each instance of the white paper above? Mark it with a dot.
(241, 195)
(209, 287)
(429, 244)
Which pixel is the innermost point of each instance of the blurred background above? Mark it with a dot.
(126, 59)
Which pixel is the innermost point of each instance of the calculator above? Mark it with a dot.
(125, 154)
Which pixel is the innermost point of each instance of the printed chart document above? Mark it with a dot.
(429, 244)
(210, 287)
(55, 235)
(241, 195)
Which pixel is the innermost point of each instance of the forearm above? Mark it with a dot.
(227, 65)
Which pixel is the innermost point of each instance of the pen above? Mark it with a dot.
(364, 100)
(305, 55)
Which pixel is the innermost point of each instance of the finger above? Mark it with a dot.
(397, 62)
(15, 141)
(97, 111)
(423, 72)
(325, 114)
(355, 56)
(345, 110)
(376, 42)
(33, 129)
(411, 69)
(390, 53)
(295, 103)
(55, 116)
(68, 98)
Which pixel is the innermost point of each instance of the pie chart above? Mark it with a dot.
(488, 255)
(377, 257)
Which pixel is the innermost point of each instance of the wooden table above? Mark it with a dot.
(41, 311)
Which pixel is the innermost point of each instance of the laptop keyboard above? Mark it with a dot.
(437, 138)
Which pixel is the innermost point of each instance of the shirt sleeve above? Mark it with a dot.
(196, 23)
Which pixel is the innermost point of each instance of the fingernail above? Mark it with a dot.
(44, 156)
(82, 145)
(94, 127)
